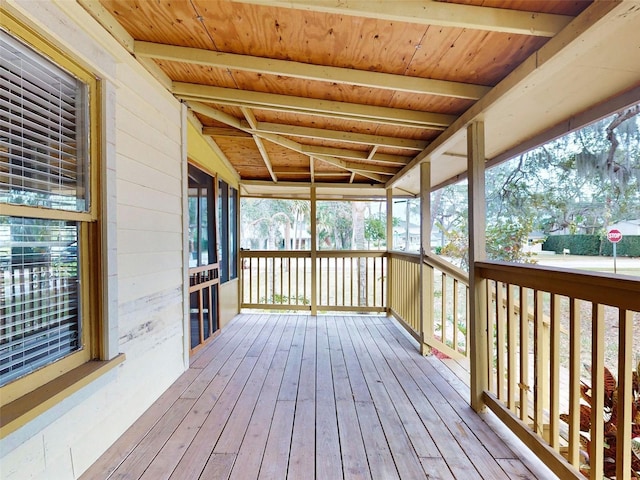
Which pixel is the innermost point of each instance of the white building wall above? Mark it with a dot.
(143, 217)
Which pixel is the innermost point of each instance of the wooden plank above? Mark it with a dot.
(196, 455)
(465, 454)
(136, 463)
(235, 348)
(441, 386)
(436, 468)
(122, 448)
(254, 444)
(353, 454)
(219, 466)
(303, 441)
(289, 387)
(276, 455)
(385, 394)
(514, 468)
(238, 421)
(376, 446)
(327, 448)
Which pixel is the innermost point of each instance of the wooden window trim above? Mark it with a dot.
(25, 398)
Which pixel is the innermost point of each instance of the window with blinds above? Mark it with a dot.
(44, 138)
(44, 171)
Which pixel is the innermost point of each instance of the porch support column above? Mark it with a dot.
(314, 250)
(477, 252)
(389, 291)
(426, 273)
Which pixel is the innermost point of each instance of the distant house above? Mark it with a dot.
(534, 242)
(627, 227)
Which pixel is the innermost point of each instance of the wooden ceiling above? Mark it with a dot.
(327, 91)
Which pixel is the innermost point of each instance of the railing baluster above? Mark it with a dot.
(500, 341)
(574, 383)
(511, 348)
(554, 409)
(335, 281)
(344, 275)
(455, 314)
(524, 355)
(540, 361)
(491, 341)
(625, 395)
(596, 455)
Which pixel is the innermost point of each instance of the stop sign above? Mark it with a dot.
(614, 235)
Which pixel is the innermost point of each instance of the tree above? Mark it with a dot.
(358, 210)
(375, 229)
(580, 183)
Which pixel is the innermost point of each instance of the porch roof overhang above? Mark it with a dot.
(351, 96)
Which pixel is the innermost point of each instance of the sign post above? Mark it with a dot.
(614, 237)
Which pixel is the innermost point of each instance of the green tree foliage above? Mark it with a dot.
(375, 230)
(580, 183)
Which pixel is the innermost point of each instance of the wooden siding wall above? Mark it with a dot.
(143, 182)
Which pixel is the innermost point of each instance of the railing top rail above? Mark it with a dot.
(307, 253)
(448, 268)
(351, 253)
(411, 257)
(622, 291)
(275, 253)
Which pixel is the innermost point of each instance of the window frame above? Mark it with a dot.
(89, 231)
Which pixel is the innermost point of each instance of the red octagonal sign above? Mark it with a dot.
(614, 236)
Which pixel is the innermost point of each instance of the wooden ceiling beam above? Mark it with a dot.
(335, 152)
(225, 132)
(357, 167)
(432, 12)
(312, 106)
(346, 165)
(306, 71)
(340, 136)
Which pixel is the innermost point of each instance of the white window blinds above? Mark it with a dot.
(44, 135)
(44, 162)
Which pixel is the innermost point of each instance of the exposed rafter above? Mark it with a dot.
(373, 172)
(340, 136)
(312, 106)
(432, 12)
(248, 115)
(225, 132)
(323, 73)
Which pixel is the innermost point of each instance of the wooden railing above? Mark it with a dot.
(405, 292)
(344, 280)
(448, 292)
(351, 281)
(276, 279)
(558, 341)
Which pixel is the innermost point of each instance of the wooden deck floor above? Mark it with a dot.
(301, 397)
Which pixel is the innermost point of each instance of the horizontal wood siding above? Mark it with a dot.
(143, 181)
